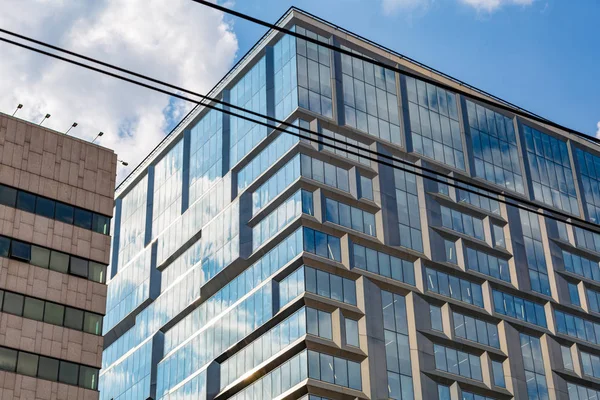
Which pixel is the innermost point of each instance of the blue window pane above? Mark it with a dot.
(64, 213)
(45, 207)
(83, 218)
(8, 196)
(26, 202)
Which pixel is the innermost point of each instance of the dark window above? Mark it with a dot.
(26, 202)
(40, 256)
(45, 207)
(309, 240)
(8, 359)
(54, 313)
(1, 299)
(88, 377)
(34, 309)
(48, 369)
(79, 267)
(83, 218)
(27, 364)
(97, 272)
(59, 261)
(92, 323)
(8, 196)
(311, 280)
(21, 251)
(68, 373)
(101, 224)
(4, 246)
(64, 213)
(73, 318)
(13, 303)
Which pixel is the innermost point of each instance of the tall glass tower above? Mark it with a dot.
(249, 264)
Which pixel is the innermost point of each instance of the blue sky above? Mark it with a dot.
(543, 56)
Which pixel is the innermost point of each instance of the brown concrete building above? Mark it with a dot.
(56, 204)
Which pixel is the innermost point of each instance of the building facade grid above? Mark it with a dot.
(308, 270)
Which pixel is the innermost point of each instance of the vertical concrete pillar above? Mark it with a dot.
(510, 343)
(116, 238)
(377, 387)
(519, 256)
(338, 85)
(226, 132)
(270, 84)
(158, 345)
(185, 181)
(149, 206)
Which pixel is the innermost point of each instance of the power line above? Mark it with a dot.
(510, 108)
(410, 169)
(227, 104)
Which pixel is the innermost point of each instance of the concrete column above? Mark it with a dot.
(185, 181)
(376, 388)
(404, 114)
(389, 205)
(149, 206)
(226, 132)
(521, 278)
(338, 85)
(270, 85)
(116, 238)
(510, 343)
(466, 134)
(158, 345)
(416, 308)
(583, 211)
(557, 388)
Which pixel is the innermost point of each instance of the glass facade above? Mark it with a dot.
(551, 174)
(307, 279)
(487, 264)
(273, 152)
(476, 330)
(434, 123)
(451, 286)
(395, 325)
(383, 264)
(534, 250)
(589, 167)
(206, 154)
(462, 223)
(407, 203)
(249, 264)
(495, 152)
(370, 98)
(457, 362)
(300, 202)
(133, 222)
(535, 375)
(250, 93)
(314, 74)
(168, 174)
(349, 217)
(519, 308)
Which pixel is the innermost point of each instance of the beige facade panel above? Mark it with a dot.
(57, 166)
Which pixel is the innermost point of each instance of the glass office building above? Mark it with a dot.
(248, 263)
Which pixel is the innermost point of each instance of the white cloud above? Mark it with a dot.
(391, 6)
(598, 131)
(492, 5)
(176, 41)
